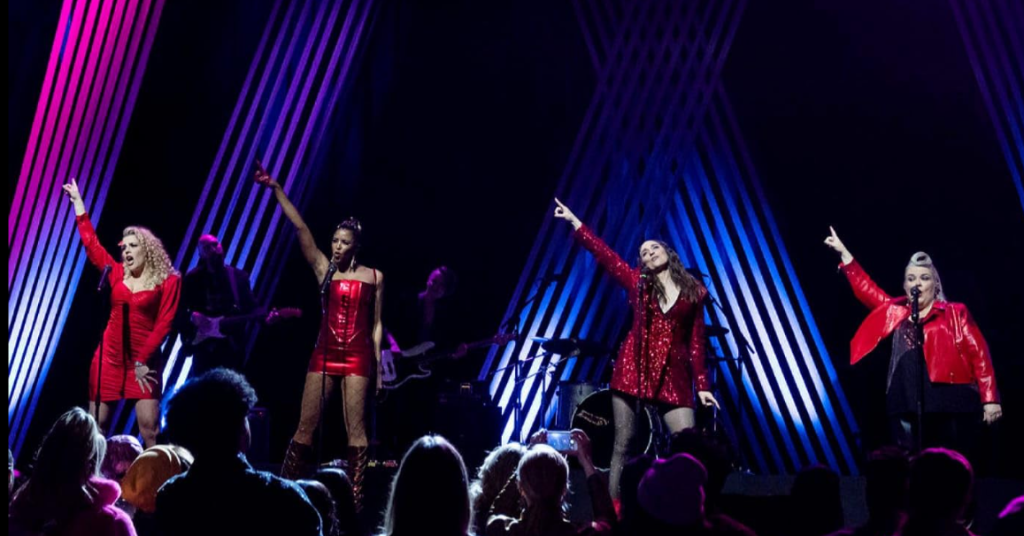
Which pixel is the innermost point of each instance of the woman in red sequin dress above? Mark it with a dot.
(661, 362)
(348, 346)
(144, 293)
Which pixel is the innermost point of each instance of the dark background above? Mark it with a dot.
(865, 116)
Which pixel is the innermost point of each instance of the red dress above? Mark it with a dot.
(671, 362)
(137, 326)
(346, 338)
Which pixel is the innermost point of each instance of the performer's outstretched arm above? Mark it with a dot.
(606, 256)
(314, 256)
(864, 288)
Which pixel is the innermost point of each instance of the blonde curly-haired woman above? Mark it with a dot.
(144, 293)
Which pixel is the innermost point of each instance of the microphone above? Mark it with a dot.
(331, 268)
(642, 280)
(915, 293)
(103, 278)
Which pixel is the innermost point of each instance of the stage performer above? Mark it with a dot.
(954, 354)
(662, 361)
(348, 346)
(144, 293)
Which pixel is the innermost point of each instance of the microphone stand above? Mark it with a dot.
(744, 356)
(643, 297)
(517, 410)
(103, 335)
(325, 307)
(915, 319)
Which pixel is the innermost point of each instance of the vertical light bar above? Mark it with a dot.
(96, 64)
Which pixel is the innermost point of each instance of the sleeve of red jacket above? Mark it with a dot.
(698, 348)
(170, 294)
(979, 357)
(606, 257)
(98, 256)
(863, 287)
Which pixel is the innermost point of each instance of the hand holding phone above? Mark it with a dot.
(561, 440)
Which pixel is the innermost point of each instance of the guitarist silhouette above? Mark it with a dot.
(213, 289)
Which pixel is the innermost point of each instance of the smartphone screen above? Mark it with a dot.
(561, 441)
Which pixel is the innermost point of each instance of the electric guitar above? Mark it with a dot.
(209, 327)
(396, 370)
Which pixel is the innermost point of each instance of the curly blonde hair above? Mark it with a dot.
(158, 264)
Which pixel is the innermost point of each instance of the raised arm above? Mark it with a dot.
(869, 293)
(313, 255)
(605, 256)
(98, 256)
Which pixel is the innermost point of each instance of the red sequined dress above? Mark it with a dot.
(346, 338)
(138, 323)
(669, 361)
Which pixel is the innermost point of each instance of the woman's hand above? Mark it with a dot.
(75, 196)
(146, 377)
(836, 244)
(993, 412)
(264, 178)
(562, 212)
(538, 438)
(583, 452)
(707, 399)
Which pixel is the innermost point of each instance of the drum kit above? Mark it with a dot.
(588, 405)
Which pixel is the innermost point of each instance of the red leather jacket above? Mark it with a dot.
(954, 349)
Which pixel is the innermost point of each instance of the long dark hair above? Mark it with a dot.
(544, 483)
(690, 288)
(70, 455)
(431, 487)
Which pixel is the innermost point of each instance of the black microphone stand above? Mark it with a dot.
(104, 276)
(744, 356)
(915, 319)
(643, 299)
(517, 409)
(325, 307)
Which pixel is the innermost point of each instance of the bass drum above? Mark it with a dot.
(594, 416)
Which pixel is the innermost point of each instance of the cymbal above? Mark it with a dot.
(573, 347)
(715, 331)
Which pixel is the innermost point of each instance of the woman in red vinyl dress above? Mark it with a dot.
(144, 293)
(662, 359)
(348, 345)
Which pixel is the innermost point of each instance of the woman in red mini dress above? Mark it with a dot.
(661, 362)
(144, 293)
(348, 346)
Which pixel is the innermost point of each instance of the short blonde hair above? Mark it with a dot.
(924, 260)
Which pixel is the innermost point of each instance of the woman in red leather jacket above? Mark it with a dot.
(955, 353)
(348, 346)
(662, 359)
(144, 293)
